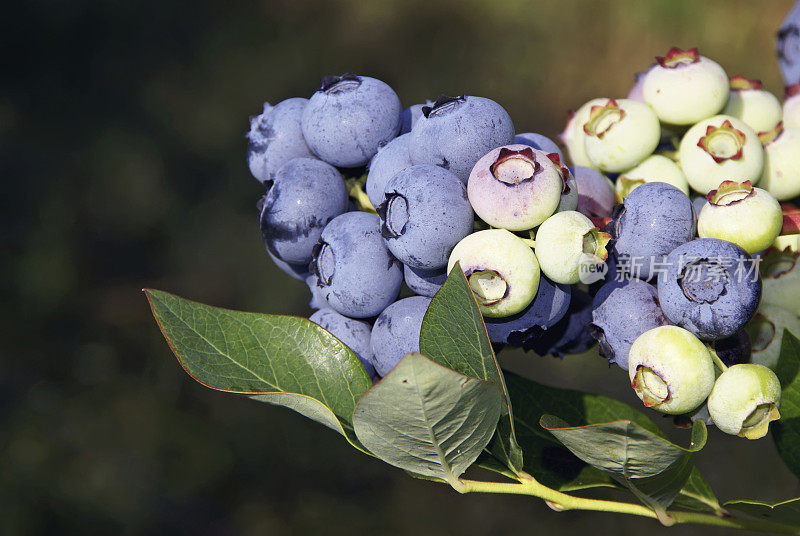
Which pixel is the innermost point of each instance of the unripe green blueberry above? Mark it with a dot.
(780, 279)
(791, 107)
(745, 399)
(565, 242)
(684, 87)
(748, 101)
(501, 269)
(718, 149)
(573, 135)
(620, 134)
(656, 168)
(781, 174)
(670, 370)
(766, 333)
(749, 217)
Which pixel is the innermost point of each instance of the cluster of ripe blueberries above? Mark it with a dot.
(364, 196)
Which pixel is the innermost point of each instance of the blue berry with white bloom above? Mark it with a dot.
(396, 332)
(390, 160)
(355, 334)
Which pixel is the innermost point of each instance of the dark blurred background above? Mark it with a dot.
(122, 151)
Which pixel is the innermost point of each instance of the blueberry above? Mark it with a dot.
(621, 315)
(356, 273)
(710, 287)
(568, 336)
(539, 142)
(411, 115)
(317, 298)
(568, 246)
(424, 215)
(789, 47)
(304, 196)
(595, 192)
(296, 271)
(654, 219)
(735, 349)
(548, 307)
(349, 117)
(390, 159)
(424, 282)
(516, 187)
(276, 137)
(355, 334)
(745, 399)
(456, 131)
(396, 332)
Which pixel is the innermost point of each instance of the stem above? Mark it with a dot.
(717, 361)
(562, 501)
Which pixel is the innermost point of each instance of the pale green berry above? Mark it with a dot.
(780, 278)
(573, 135)
(766, 333)
(790, 242)
(620, 134)
(737, 212)
(781, 174)
(501, 269)
(791, 110)
(566, 243)
(684, 87)
(718, 149)
(670, 369)
(745, 399)
(656, 168)
(748, 101)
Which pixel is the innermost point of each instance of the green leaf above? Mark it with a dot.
(555, 466)
(652, 467)
(453, 334)
(285, 360)
(783, 512)
(786, 431)
(428, 419)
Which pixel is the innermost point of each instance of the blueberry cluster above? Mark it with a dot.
(373, 205)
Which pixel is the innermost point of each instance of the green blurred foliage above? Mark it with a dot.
(122, 151)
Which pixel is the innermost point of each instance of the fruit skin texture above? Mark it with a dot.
(357, 275)
(780, 271)
(627, 141)
(738, 392)
(547, 308)
(681, 361)
(781, 175)
(791, 111)
(734, 349)
(569, 195)
(560, 245)
(411, 115)
(569, 335)
(349, 117)
(396, 332)
(424, 282)
(709, 288)
(752, 222)
(621, 311)
(539, 142)
(573, 136)
(295, 271)
(654, 219)
(455, 134)
(355, 334)
(595, 192)
(655, 168)
(739, 161)
(498, 253)
(276, 137)
(425, 214)
(390, 160)
(304, 196)
(686, 93)
(766, 333)
(516, 199)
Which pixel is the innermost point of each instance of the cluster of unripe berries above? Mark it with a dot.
(372, 205)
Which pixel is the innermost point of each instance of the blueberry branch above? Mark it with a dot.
(561, 501)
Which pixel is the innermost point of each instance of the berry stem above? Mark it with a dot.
(561, 501)
(717, 361)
